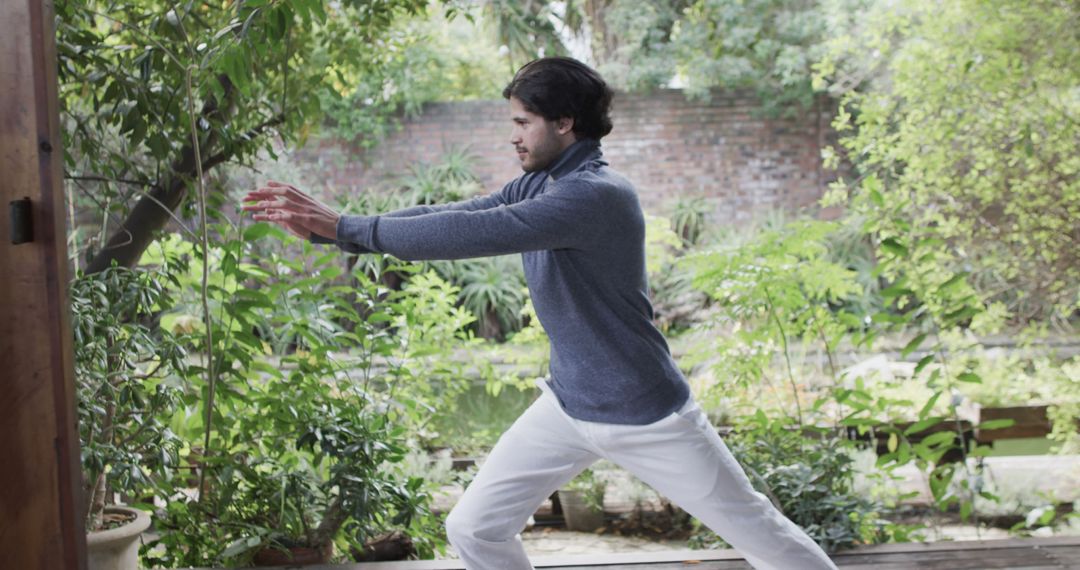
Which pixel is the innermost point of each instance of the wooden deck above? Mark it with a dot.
(1021, 554)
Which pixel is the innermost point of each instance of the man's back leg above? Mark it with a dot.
(683, 458)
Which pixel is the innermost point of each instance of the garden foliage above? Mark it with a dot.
(965, 138)
(129, 380)
(312, 419)
(292, 425)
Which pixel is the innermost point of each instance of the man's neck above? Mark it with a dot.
(571, 157)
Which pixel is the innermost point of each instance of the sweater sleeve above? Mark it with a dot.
(564, 216)
(477, 203)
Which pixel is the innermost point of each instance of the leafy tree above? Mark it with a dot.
(431, 56)
(765, 46)
(154, 94)
(127, 377)
(639, 57)
(961, 119)
(322, 377)
(780, 287)
(528, 29)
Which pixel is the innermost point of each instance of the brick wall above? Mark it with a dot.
(667, 146)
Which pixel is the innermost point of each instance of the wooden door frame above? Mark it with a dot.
(41, 523)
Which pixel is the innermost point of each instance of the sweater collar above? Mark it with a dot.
(573, 156)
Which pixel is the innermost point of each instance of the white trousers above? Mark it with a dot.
(681, 456)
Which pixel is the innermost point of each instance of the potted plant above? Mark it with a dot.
(304, 458)
(310, 465)
(582, 501)
(123, 376)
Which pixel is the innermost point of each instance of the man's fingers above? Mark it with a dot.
(267, 192)
(281, 187)
(287, 190)
(291, 208)
(280, 202)
(263, 204)
(277, 215)
(275, 189)
(257, 196)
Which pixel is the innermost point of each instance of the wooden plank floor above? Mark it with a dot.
(1020, 554)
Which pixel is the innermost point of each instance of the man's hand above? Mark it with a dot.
(293, 210)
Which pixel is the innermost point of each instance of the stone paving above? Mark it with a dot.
(547, 541)
(550, 541)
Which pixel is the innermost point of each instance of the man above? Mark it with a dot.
(614, 391)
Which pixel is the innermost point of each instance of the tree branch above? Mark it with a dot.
(154, 208)
(99, 178)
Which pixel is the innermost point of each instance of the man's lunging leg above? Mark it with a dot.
(536, 456)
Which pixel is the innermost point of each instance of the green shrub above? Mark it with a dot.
(811, 478)
(324, 379)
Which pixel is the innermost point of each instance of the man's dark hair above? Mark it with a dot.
(557, 87)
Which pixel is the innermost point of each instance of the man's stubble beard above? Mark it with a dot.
(543, 155)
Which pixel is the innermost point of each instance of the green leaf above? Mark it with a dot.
(903, 454)
(997, 424)
(926, 409)
(923, 362)
(938, 438)
(895, 291)
(859, 422)
(237, 547)
(961, 314)
(887, 318)
(876, 198)
(872, 184)
(913, 345)
(953, 281)
(969, 377)
(965, 510)
(922, 425)
(256, 231)
(893, 246)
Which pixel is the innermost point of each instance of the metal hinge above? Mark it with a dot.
(22, 221)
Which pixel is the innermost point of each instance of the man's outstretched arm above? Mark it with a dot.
(477, 203)
(562, 217)
(317, 222)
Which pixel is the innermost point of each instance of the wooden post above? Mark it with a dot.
(40, 524)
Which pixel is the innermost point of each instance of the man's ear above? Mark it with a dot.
(564, 125)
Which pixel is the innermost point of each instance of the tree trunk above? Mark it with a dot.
(603, 42)
(153, 210)
(332, 520)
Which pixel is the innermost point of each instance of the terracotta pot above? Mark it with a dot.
(578, 515)
(117, 548)
(296, 555)
(392, 545)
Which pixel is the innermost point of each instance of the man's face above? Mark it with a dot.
(537, 140)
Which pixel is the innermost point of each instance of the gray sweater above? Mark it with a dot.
(581, 233)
